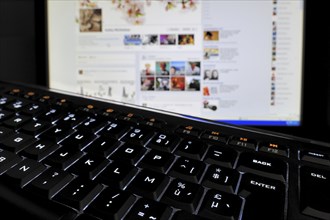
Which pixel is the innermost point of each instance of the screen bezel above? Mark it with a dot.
(314, 115)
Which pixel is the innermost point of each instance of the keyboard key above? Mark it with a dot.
(117, 174)
(5, 132)
(89, 166)
(114, 130)
(315, 157)
(53, 114)
(17, 142)
(111, 204)
(40, 149)
(183, 215)
(193, 149)
(78, 193)
(145, 209)
(183, 195)
(262, 194)
(4, 100)
(27, 205)
(33, 109)
(138, 136)
(35, 127)
(49, 182)
(152, 122)
(102, 146)
(72, 119)
(86, 217)
(129, 152)
(315, 192)
(221, 178)
(8, 160)
(148, 184)
(157, 161)
(189, 131)
(188, 169)
(214, 136)
(79, 139)
(164, 142)
(24, 172)
(273, 148)
(57, 133)
(130, 118)
(221, 156)
(16, 121)
(109, 113)
(261, 165)
(5, 114)
(30, 95)
(220, 205)
(16, 105)
(243, 142)
(92, 124)
(64, 157)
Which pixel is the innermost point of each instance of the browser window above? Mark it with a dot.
(232, 61)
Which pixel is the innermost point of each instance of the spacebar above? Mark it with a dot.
(33, 207)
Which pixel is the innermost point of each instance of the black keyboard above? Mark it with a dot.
(63, 156)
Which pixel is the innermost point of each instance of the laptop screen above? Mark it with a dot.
(231, 61)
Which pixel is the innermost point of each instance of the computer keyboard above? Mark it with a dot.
(63, 156)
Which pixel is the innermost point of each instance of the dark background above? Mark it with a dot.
(23, 58)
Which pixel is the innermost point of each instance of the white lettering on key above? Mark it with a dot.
(24, 168)
(79, 136)
(263, 185)
(40, 146)
(319, 176)
(116, 171)
(262, 163)
(129, 150)
(214, 205)
(89, 162)
(156, 157)
(64, 154)
(2, 159)
(18, 139)
(149, 180)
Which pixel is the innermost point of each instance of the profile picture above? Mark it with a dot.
(211, 74)
(177, 68)
(132, 39)
(162, 83)
(211, 53)
(211, 35)
(147, 83)
(186, 39)
(210, 105)
(162, 68)
(148, 68)
(150, 39)
(193, 68)
(167, 39)
(193, 83)
(177, 83)
(90, 20)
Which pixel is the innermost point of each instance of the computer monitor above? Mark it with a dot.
(230, 61)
